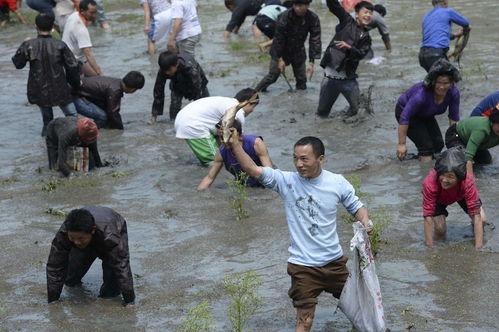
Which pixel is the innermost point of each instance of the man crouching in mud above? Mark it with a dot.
(312, 195)
(88, 233)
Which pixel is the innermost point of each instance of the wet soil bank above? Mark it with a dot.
(183, 242)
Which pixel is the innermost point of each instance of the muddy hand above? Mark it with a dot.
(310, 70)
(233, 138)
(401, 151)
(281, 65)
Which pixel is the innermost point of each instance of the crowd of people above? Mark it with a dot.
(65, 73)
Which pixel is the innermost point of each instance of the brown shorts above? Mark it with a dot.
(308, 282)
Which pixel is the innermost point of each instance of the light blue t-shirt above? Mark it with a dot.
(311, 206)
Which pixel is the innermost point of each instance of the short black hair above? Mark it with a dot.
(167, 59)
(228, 3)
(85, 3)
(436, 2)
(134, 80)
(317, 145)
(246, 94)
(380, 9)
(494, 116)
(44, 22)
(363, 4)
(80, 220)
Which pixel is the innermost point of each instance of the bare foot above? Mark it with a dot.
(153, 119)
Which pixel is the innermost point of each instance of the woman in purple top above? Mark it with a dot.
(416, 109)
(252, 145)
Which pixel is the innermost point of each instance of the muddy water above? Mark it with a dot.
(183, 242)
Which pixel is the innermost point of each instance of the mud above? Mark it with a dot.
(183, 242)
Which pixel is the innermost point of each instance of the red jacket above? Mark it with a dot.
(433, 193)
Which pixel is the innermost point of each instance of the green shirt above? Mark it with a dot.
(476, 132)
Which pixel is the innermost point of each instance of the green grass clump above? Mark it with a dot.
(9, 181)
(236, 46)
(198, 319)
(242, 289)
(239, 193)
(56, 212)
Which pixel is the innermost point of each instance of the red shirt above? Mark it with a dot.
(11, 4)
(433, 193)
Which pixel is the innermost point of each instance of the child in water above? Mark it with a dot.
(445, 184)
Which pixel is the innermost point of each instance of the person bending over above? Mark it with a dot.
(252, 145)
(187, 81)
(444, 185)
(99, 97)
(416, 109)
(88, 233)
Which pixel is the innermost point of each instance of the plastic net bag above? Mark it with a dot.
(361, 298)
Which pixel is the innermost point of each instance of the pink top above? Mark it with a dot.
(433, 193)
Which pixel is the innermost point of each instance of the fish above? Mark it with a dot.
(230, 116)
(460, 45)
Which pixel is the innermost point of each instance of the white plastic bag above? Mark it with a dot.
(361, 298)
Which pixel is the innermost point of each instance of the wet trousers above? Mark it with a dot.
(331, 89)
(79, 263)
(48, 114)
(188, 44)
(176, 101)
(274, 72)
(92, 111)
(429, 55)
(424, 132)
(452, 139)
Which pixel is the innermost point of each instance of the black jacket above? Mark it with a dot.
(243, 8)
(110, 242)
(105, 92)
(62, 134)
(189, 82)
(290, 36)
(51, 66)
(350, 32)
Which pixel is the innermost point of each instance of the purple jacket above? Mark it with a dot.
(418, 101)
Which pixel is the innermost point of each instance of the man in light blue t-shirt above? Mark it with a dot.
(311, 195)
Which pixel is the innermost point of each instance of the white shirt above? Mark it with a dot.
(76, 36)
(199, 118)
(186, 10)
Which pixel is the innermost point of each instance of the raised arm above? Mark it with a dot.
(337, 9)
(247, 164)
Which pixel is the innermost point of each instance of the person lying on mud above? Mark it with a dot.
(416, 109)
(477, 134)
(187, 81)
(288, 46)
(52, 66)
(252, 145)
(487, 105)
(436, 27)
(242, 8)
(444, 185)
(266, 22)
(88, 233)
(65, 133)
(99, 97)
(349, 45)
(312, 196)
(196, 121)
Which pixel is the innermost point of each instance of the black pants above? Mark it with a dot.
(429, 55)
(79, 263)
(331, 89)
(452, 139)
(266, 25)
(424, 132)
(274, 72)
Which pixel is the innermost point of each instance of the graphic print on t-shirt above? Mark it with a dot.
(310, 206)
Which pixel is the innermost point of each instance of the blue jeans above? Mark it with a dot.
(48, 114)
(331, 89)
(90, 110)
